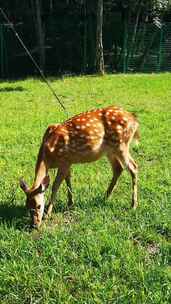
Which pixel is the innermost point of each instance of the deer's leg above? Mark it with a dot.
(61, 175)
(127, 161)
(117, 170)
(69, 188)
(133, 169)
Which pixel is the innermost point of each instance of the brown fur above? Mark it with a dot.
(85, 138)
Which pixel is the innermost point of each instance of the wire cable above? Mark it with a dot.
(34, 62)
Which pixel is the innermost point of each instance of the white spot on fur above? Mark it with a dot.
(51, 149)
(66, 138)
(96, 130)
(118, 127)
(91, 132)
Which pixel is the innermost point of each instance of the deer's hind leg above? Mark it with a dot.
(127, 161)
(133, 169)
(117, 169)
(69, 188)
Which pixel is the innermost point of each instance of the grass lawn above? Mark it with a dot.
(101, 251)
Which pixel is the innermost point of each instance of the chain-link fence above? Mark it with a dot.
(147, 49)
(144, 48)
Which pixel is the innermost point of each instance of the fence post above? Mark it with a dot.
(160, 49)
(2, 50)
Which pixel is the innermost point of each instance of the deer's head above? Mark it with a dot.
(35, 201)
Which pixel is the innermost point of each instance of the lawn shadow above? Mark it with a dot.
(13, 215)
(12, 89)
(60, 206)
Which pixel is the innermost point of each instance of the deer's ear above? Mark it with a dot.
(23, 186)
(44, 184)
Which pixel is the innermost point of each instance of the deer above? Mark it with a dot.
(83, 138)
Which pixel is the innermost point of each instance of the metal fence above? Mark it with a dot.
(146, 48)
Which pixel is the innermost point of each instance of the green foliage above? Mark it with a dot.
(68, 34)
(101, 251)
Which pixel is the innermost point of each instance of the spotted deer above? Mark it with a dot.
(83, 138)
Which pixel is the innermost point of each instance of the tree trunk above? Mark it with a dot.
(85, 38)
(132, 46)
(40, 34)
(99, 64)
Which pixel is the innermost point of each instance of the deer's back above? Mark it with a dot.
(85, 137)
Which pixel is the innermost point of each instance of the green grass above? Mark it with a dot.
(101, 251)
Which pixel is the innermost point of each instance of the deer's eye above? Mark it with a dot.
(38, 207)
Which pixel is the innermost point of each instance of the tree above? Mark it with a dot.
(37, 12)
(71, 35)
(99, 61)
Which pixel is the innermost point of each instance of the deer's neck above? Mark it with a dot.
(41, 168)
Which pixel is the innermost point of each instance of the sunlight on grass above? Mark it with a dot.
(102, 251)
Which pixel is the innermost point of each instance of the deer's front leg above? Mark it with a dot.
(117, 170)
(61, 175)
